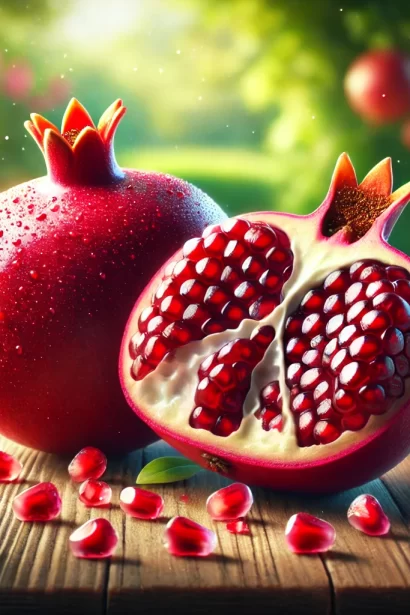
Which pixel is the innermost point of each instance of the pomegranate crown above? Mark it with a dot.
(354, 209)
(80, 153)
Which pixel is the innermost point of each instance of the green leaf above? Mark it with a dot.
(167, 470)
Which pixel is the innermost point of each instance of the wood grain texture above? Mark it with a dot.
(256, 573)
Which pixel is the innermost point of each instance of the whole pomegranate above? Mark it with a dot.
(275, 348)
(77, 248)
(377, 86)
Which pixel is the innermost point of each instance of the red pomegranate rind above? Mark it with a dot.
(358, 369)
(234, 271)
(224, 382)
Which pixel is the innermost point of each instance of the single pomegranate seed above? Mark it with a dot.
(172, 307)
(95, 493)
(212, 228)
(186, 538)
(270, 393)
(335, 325)
(306, 425)
(353, 375)
(357, 311)
(393, 341)
(366, 515)
(296, 348)
(165, 289)
(211, 326)
(193, 290)
(226, 425)
(334, 305)
(303, 402)
(207, 365)
(10, 468)
(394, 387)
(294, 324)
(372, 397)
(397, 273)
(140, 368)
(209, 269)
(402, 365)
(397, 307)
(324, 410)
(381, 286)
(321, 391)
(231, 502)
(337, 281)
(145, 316)
(140, 503)
(372, 273)
(238, 527)
(155, 350)
(39, 503)
(183, 270)
(271, 281)
(263, 307)
(313, 325)
(344, 401)
(311, 378)
(235, 228)
(215, 244)
(357, 268)
(313, 301)
(196, 314)
(365, 348)
(294, 373)
(402, 288)
(216, 297)
(307, 534)
(203, 418)
(155, 325)
(224, 376)
(340, 359)
(208, 394)
(246, 291)
(263, 336)
(234, 253)
(95, 539)
(325, 432)
(90, 462)
(354, 421)
(355, 292)
(382, 368)
(179, 333)
(194, 249)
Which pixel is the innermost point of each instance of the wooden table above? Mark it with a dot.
(247, 574)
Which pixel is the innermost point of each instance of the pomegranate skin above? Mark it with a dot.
(78, 246)
(377, 86)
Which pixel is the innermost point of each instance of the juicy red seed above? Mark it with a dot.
(355, 292)
(335, 325)
(321, 392)
(202, 418)
(39, 503)
(365, 348)
(311, 378)
(226, 425)
(235, 251)
(253, 267)
(307, 534)
(398, 308)
(140, 503)
(402, 288)
(238, 350)
(208, 394)
(179, 333)
(393, 341)
(231, 502)
(397, 273)
(296, 348)
(232, 402)
(278, 258)
(193, 290)
(165, 289)
(212, 228)
(270, 393)
(366, 515)
(95, 539)
(313, 301)
(238, 527)
(329, 351)
(145, 316)
(334, 305)
(186, 538)
(394, 387)
(346, 335)
(207, 365)
(209, 269)
(155, 350)
(224, 376)
(273, 423)
(354, 421)
(184, 270)
(155, 325)
(357, 268)
(230, 277)
(242, 371)
(263, 336)
(262, 307)
(215, 244)
(260, 238)
(372, 273)
(294, 374)
(303, 402)
(233, 312)
(306, 424)
(90, 462)
(372, 397)
(319, 342)
(294, 324)
(235, 228)
(271, 281)
(196, 314)
(336, 282)
(376, 288)
(353, 375)
(312, 358)
(213, 326)
(194, 249)
(340, 359)
(140, 368)
(313, 325)
(344, 401)
(325, 410)
(357, 311)
(216, 297)
(95, 493)
(402, 365)
(375, 320)
(246, 291)
(382, 368)
(325, 432)
(172, 307)
(10, 468)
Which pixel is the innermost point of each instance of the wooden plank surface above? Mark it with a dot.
(361, 574)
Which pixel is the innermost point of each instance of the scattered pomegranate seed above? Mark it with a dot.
(10, 468)
(239, 526)
(184, 498)
(231, 502)
(186, 538)
(90, 462)
(95, 539)
(95, 493)
(305, 533)
(39, 503)
(140, 503)
(367, 515)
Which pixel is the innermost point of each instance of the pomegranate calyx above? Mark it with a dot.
(353, 209)
(80, 153)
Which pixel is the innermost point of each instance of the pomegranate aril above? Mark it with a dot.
(259, 238)
(354, 421)
(95, 539)
(140, 503)
(156, 325)
(233, 312)
(145, 316)
(397, 273)
(325, 432)
(226, 425)
(95, 493)
(353, 375)
(271, 281)
(262, 307)
(90, 462)
(216, 297)
(208, 394)
(375, 320)
(172, 307)
(334, 305)
(397, 307)
(215, 244)
(376, 288)
(230, 277)
(207, 365)
(303, 402)
(39, 503)
(231, 502)
(340, 359)
(193, 291)
(294, 374)
(382, 368)
(253, 267)
(312, 358)
(296, 348)
(402, 288)
(393, 341)
(186, 538)
(10, 468)
(212, 325)
(372, 398)
(246, 291)
(325, 411)
(357, 268)
(335, 325)
(305, 533)
(203, 418)
(355, 292)
(184, 270)
(321, 392)
(238, 527)
(263, 336)
(224, 376)
(344, 401)
(313, 325)
(402, 365)
(196, 314)
(209, 269)
(357, 311)
(194, 249)
(212, 228)
(329, 352)
(167, 288)
(235, 228)
(372, 273)
(155, 350)
(278, 258)
(306, 425)
(367, 515)
(394, 387)
(180, 333)
(235, 252)
(313, 301)
(140, 368)
(293, 325)
(365, 348)
(347, 334)
(337, 281)
(276, 423)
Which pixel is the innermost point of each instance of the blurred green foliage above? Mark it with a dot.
(244, 98)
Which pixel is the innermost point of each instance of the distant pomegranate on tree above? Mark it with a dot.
(77, 248)
(377, 86)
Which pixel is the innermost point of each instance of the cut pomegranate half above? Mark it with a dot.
(276, 348)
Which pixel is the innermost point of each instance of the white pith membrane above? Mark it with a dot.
(167, 393)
